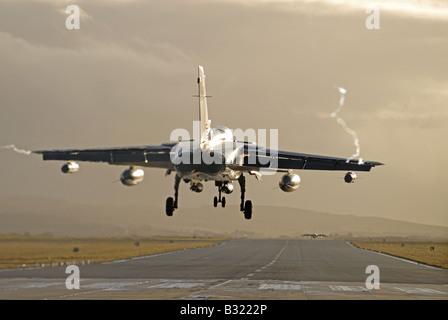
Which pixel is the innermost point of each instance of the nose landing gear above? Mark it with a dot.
(219, 199)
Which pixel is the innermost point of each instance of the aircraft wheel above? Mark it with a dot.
(248, 210)
(223, 202)
(215, 202)
(169, 206)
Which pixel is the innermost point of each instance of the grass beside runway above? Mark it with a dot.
(18, 251)
(435, 254)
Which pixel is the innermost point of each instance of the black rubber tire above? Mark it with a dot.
(169, 206)
(215, 201)
(248, 210)
(223, 202)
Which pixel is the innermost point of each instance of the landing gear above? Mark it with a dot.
(248, 210)
(171, 204)
(245, 207)
(223, 186)
(219, 199)
(242, 182)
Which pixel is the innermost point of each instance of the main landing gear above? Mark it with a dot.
(245, 206)
(171, 204)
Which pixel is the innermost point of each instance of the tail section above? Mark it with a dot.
(203, 111)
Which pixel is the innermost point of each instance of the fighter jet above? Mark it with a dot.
(216, 155)
(314, 235)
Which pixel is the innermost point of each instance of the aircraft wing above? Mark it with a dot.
(145, 156)
(259, 157)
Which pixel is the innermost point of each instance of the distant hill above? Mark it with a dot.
(62, 218)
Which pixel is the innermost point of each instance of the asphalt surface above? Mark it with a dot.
(238, 269)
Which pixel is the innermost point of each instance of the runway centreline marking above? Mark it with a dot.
(270, 263)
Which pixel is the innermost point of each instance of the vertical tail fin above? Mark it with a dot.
(203, 111)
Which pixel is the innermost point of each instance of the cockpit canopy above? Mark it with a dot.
(219, 133)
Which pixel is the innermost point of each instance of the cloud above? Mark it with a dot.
(416, 8)
(68, 2)
(422, 103)
(412, 114)
(127, 79)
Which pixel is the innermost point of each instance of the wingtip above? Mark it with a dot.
(201, 73)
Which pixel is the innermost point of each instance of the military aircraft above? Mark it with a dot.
(215, 156)
(314, 235)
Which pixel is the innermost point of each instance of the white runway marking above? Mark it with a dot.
(270, 263)
(280, 286)
(420, 291)
(32, 285)
(177, 285)
(395, 257)
(349, 288)
(234, 289)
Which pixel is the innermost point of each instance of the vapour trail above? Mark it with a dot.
(343, 124)
(15, 149)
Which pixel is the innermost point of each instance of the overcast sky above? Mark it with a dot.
(127, 77)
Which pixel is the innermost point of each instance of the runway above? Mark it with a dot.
(237, 269)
